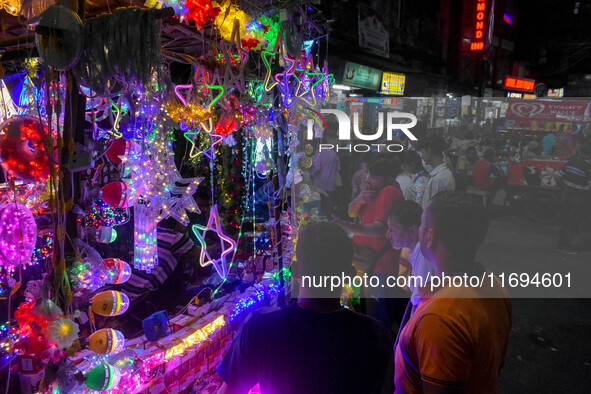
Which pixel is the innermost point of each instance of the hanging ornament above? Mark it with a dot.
(201, 12)
(106, 341)
(117, 271)
(102, 378)
(119, 147)
(226, 125)
(110, 303)
(115, 194)
(18, 235)
(106, 234)
(93, 276)
(22, 149)
(204, 258)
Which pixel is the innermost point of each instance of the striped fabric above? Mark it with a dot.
(576, 174)
(172, 247)
(420, 180)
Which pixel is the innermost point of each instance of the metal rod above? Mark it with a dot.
(8, 42)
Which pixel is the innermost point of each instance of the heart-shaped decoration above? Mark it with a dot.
(527, 110)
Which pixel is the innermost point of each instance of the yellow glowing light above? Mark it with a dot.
(195, 337)
(225, 20)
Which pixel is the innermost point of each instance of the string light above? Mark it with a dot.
(195, 338)
(102, 214)
(245, 305)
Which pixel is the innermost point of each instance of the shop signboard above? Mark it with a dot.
(373, 35)
(549, 110)
(393, 83)
(362, 76)
(519, 84)
(556, 92)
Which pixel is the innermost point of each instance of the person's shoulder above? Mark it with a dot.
(367, 324)
(270, 315)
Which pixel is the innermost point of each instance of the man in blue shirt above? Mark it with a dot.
(314, 346)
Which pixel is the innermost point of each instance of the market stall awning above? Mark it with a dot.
(547, 115)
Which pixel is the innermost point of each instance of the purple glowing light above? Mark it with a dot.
(18, 235)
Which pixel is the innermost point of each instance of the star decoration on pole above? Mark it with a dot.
(181, 200)
(205, 259)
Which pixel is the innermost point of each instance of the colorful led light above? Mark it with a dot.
(18, 235)
(199, 231)
(195, 338)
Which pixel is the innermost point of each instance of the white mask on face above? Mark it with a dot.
(427, 166)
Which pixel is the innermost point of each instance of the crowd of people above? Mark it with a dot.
(409, 216)
(452, 339)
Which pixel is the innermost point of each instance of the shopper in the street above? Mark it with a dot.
(457, 338)
(575, 177)
(325, 170)
(412, 166)
(404, 221)
(440, 176)
(374, 255)
(316, 345)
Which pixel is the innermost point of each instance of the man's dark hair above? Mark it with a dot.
(412, 159)
(434, 143)
(586, 148)
(408, 213)
(460, 222)
(489, 154)
(384, 168)
(323, 248)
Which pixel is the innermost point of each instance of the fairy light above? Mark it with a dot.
(102, 214)
(18, 235)
(245, 305)
(43, 250)
(195, 338)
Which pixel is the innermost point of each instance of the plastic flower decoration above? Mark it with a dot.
(201, 11)
(62, 332)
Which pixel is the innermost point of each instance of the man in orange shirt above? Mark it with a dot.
(457, 338)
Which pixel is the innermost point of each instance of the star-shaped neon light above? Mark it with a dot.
(205, 259)
(265, 55)
(307, 87)
(190, 135)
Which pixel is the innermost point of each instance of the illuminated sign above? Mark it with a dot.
(477, 43)
(393, 83)
(361, 76)
(556, 92)
(519, 84)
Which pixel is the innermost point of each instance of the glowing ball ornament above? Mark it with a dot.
(18, 235)
(106, 341)
(119, 147)
(118, 271)
(22, 150)
(106, 234)
(110, 303)
(103, 377)
(115, 194)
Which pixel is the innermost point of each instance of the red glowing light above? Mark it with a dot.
(477, 43)
(519, 84)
